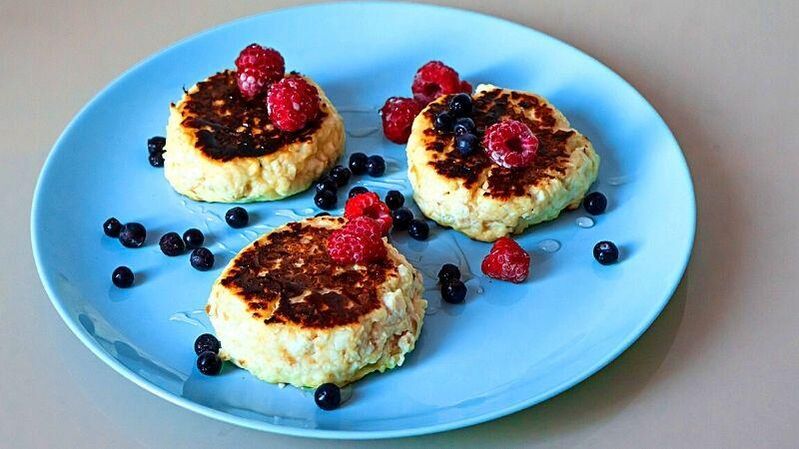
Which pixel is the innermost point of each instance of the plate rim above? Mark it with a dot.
(254, 424)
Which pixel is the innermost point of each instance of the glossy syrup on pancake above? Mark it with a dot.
(227, 126)
(490, 107)
(288, 277)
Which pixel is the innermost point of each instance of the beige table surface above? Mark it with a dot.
(718, 369)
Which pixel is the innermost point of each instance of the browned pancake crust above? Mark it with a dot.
(228, 126)
(490, 107)
(294, 260)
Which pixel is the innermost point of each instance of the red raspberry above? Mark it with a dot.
(358, 241)
(435, 79)
(507, 261)
(251, 82)
(510, 143)
(292, 103)
(398, 114)
(369, 205)
(266, 65)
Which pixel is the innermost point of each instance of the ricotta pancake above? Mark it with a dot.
(287, 313)
(483, 200)
(221, 147)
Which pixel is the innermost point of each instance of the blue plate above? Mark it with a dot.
(509, 347)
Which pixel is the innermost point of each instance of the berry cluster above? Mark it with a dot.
(457, 120)
(430, 82)
(327, 186)
(453, 290)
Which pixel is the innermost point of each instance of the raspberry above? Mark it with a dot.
(510, 144)
(292, 103)
(398, 114)
(268, 63)
(507, 261)
(251, 82)
(435, 79)
(369, 205)
(359, 241)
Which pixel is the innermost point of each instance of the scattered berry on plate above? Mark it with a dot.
(507, 261)
(156, 144)
(209, 363)
(444, 122)
(397, 115)
(359, 241)
(193, 238)
(466, 143)
(237, 217)
(340, 175)
(122, 277)
(595, 203)
(448, 273)
(453, 292)
(402, 218)
(156, 159)
(322, 214)
(132, 235)
(394, 199)
(419, 229)
(376, 166)
(171, 244)
(357, 190)
(257, 67)
(206, 342)
(464, 125)
(606, 252)
(460, 105)
(111, 227)
(369, 205)
(326, 183)
(292, 102)
(327, 396)
(510, 143)
(357, 163)
(202, 259)
(325, 199)
(435, 79)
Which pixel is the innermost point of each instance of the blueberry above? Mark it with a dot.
(465, 125)
(322, 214)
(237, 217)
(595, 203)
(444, 122)
(156, 159)
(326, 183)
(155, 144)
(357, 190)
(327, 396)
(453, 292)
(466, 143)
(193, 238)
(325, 199)
(209, 363)
(111, 227)
(132, 235)
(449, 273)
(122, 277)
(206, 342)
(171, 244)
(202, 259)
(341, 175)
(394, 199)
(376, 166)
(606, 252)
(358, 163)
(419, 229)
(402, 218)
(460, 105)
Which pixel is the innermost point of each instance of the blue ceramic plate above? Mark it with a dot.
(509, 347)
